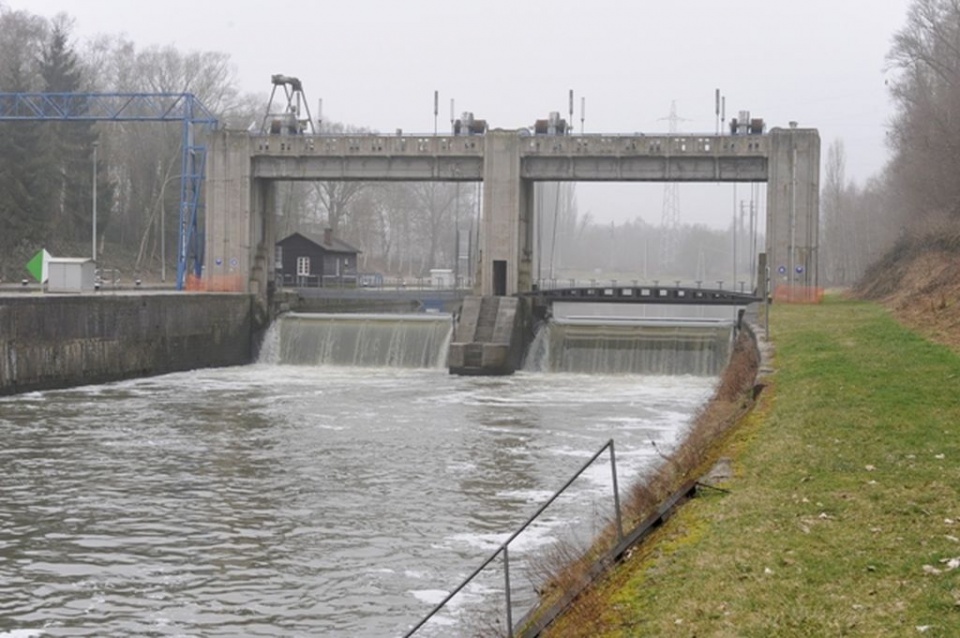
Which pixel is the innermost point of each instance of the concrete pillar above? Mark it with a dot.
(229, 212)
(263, 235)
(793, 207)
(506, 248)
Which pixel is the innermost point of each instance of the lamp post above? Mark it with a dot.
(95, 145)
(161, 202)
(163, 238)
(163, 235)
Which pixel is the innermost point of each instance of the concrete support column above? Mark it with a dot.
(229, 212)
(263, 234)
(793, 207)
(506, 248)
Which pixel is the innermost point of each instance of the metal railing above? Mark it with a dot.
(554, 283)
(504, 548)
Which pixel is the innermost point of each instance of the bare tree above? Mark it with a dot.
(436, 207)
(334, 199)
(926, 132)
(145, 157)
(833, 230)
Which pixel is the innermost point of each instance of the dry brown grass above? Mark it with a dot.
(567, 571)
(919, 281)
(693, 458)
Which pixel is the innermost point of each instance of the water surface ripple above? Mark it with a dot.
(275, 500)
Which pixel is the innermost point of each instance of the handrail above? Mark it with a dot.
(504, 546)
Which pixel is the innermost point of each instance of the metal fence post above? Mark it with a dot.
(505, 546)
(506, 577)
(616, 492)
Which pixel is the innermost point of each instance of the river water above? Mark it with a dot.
(301, 500)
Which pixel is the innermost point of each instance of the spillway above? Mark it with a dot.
(365, 340)
(619, 345)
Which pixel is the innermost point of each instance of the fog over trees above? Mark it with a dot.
(918, 193)
(46, 167)
(407, 229)
(402, 229)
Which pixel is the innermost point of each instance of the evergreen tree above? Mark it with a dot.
(22, 192)
(22, 195)
(68, 147)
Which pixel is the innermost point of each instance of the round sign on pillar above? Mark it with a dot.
(782, 270)
(799, 270)
(219, 261)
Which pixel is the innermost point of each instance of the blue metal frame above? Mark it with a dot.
(136, 107)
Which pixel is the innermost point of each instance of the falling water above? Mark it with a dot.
(364, 340)
(618, 346)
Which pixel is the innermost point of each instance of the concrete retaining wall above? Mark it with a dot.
(60, 341)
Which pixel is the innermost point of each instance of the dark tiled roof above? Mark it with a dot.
(335, 245)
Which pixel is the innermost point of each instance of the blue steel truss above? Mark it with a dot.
(136, 107)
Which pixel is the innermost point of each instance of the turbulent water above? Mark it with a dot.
(300, 500)
(404, 341)
(630, 346)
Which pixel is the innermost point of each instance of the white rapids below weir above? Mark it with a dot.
(310, 499)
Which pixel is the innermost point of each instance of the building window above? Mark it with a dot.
(303, 266)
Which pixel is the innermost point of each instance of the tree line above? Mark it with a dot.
(914, 203)
(46, 183)
(46, 168)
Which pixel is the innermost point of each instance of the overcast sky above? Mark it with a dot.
(376, 63)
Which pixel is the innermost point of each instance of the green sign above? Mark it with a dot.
(37, 266)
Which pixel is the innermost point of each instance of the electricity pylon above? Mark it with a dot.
(670, 214)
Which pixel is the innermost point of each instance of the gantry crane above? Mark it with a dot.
(287, 121)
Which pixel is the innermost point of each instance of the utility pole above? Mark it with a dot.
(456, 238)
(733, 230)
(95, 145)
(717, 109)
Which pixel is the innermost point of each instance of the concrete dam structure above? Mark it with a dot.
(244, 170)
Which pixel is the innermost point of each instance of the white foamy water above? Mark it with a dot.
(274, 500)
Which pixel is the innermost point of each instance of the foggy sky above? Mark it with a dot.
(376, 63)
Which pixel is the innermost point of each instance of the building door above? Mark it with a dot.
(500, 277)
(303, 270)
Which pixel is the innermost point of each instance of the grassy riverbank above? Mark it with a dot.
(843, 515)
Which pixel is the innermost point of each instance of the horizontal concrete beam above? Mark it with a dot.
(366, 145)
(473, 145)
(369, 168)
(644, 169)
(646, 145)
(585, 158)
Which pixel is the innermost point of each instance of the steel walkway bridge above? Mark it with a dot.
(644, 295)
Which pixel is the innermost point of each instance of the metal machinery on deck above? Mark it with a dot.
(136, 107)
(288, 121)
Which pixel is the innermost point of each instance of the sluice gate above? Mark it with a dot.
(613, 345)
(371, 340)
